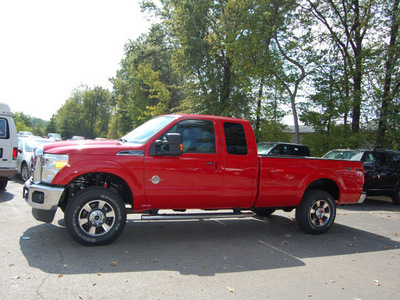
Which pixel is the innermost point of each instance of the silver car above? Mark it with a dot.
(26, 147)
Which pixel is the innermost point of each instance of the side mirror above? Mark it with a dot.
(171, 147)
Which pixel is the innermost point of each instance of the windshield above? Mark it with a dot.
(146, 131)
(346, 155)
(264, 148)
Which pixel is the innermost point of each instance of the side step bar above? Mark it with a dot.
(196, 216)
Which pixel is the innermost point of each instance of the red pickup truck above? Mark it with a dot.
(183, 162)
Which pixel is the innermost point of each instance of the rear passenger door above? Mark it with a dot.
(240, 162)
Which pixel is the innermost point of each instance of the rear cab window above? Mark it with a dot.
(235, 139)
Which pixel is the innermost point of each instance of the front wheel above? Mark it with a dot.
(25, 173)
(316, 212)
(95, 216)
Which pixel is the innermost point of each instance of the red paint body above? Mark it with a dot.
(209, 180)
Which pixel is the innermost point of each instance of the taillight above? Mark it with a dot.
(15, 153)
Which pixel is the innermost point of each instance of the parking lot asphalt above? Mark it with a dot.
(359, 258)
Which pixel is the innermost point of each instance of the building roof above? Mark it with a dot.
(302, 128)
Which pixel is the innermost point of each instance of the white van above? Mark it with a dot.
(8, 146)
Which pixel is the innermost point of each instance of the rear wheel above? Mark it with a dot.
(95, 216)
(316, 212)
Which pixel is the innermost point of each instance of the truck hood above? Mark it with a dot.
(90, 147)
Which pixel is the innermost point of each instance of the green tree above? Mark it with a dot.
(199, 31)
(51, 126)
(346, 24)
(253, 25)
(69, 117)
(23, 122)
(96, 111)
(87, 113)
(391, 82)
(147, 83)
(327, 106)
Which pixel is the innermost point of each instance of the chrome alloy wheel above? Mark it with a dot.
(96, 217)
(320, 213)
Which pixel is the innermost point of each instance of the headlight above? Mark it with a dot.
(51, 165)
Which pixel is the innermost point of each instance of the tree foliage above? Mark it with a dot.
(86, 113)
(333, 64)
(147, 83)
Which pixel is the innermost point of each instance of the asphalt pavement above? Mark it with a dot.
(359, 258)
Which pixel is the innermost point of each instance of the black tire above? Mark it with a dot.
(95, 216)
(316, 212)
(396, 196)
(25, 172)
(263, 211)
(3, 184)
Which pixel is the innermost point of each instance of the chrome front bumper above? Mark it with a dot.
(43, 199)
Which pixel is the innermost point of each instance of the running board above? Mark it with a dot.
(196, 216)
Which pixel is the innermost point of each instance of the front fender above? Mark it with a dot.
(130, 170)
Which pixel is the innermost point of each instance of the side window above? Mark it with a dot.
(235, 139)
(368, 160)
(197, 136)
(300, 151)
(382, 161)
(281, 150)
(368, 157)
(3, 129)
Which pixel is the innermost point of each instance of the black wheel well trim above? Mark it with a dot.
(100, 179)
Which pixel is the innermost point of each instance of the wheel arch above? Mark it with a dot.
(132, 178)
(327, 185)
(100, 179)
(19, 166)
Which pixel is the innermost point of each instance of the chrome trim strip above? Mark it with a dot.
(131, 152)
(196, 216)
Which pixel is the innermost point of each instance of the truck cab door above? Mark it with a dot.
(191, 180)
(240, 165)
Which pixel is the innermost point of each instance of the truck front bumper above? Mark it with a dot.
(43, 199)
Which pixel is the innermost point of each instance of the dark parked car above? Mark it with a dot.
(276, 148)
(382, 170)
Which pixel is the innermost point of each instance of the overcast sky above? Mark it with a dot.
(50, 47)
